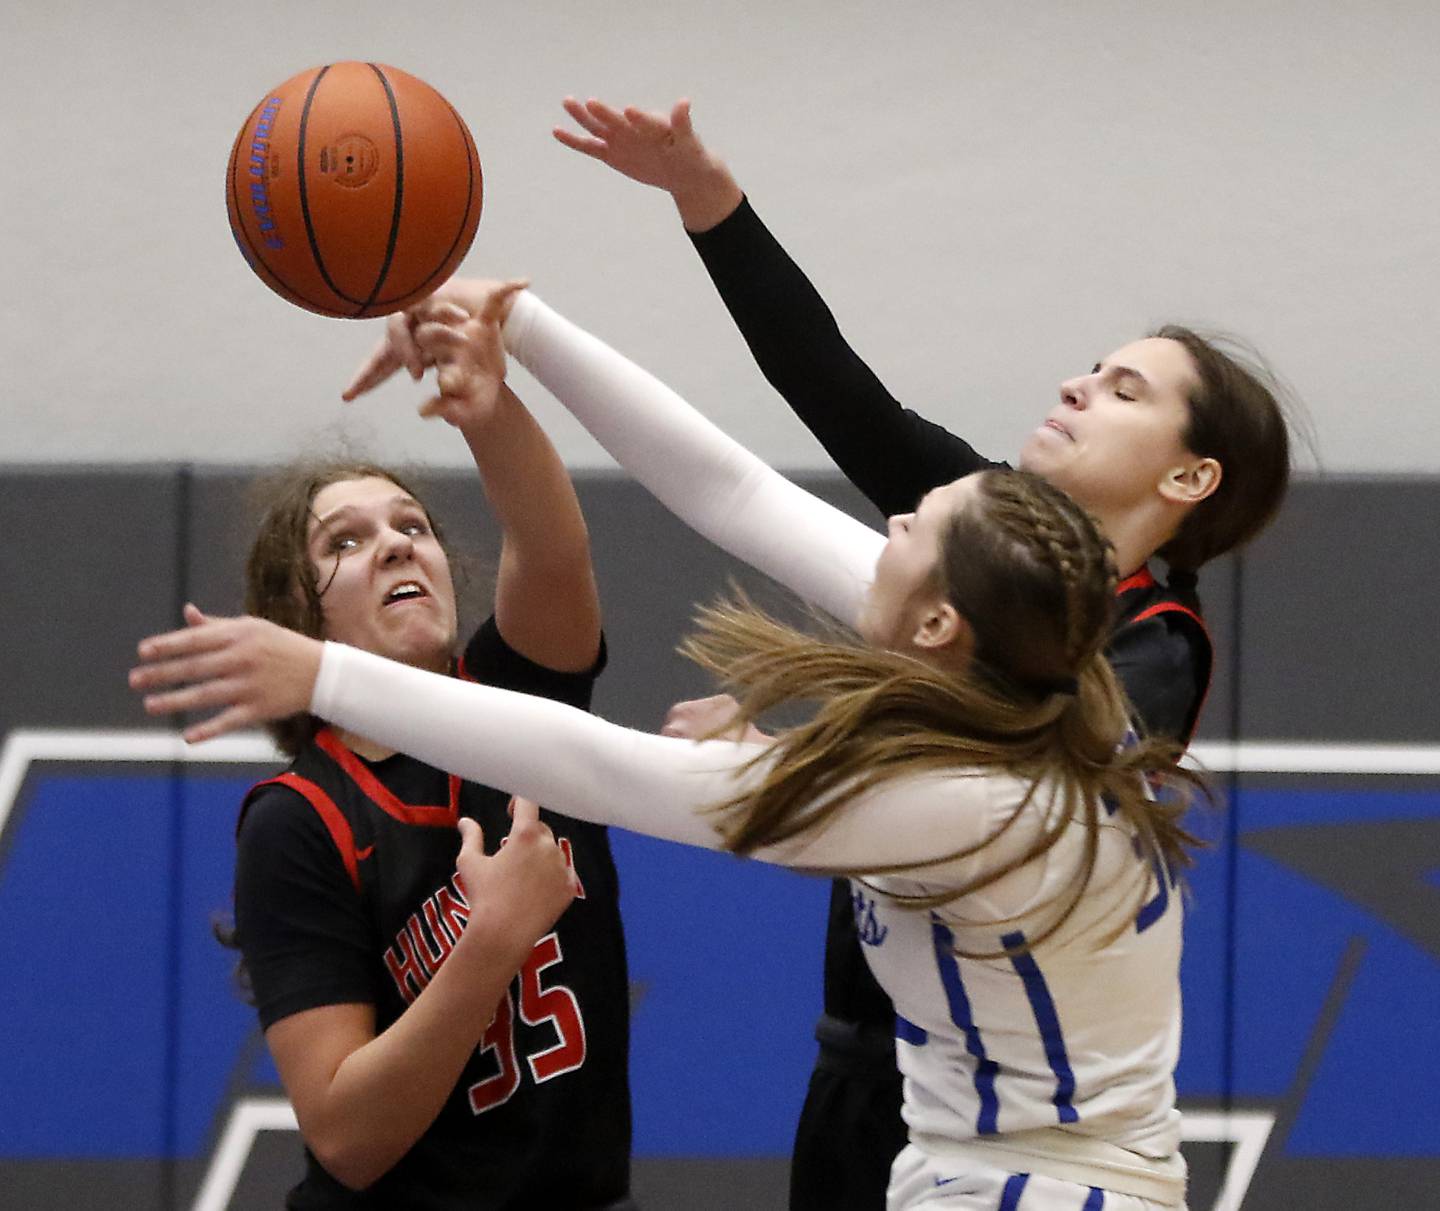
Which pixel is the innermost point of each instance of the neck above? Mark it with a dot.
(1136, 534)
(362, 747)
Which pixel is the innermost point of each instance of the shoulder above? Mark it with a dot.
(291, 821)
(1163, 659)
(489, 659)
(277, 805)
(1156, 622)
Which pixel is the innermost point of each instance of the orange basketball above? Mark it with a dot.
(353, 189)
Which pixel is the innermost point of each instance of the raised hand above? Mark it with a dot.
(656, 150)
(713, 718)
(526, 885)
(469, 357)
(246, 669)
(459, 300)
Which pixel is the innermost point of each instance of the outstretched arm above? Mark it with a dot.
(708, 480)
(712, 483)
(891, 454)
(546, 604)
(571, 761)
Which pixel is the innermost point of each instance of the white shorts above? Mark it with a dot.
(921, 1180)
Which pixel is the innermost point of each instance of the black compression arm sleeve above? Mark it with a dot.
(892, 455)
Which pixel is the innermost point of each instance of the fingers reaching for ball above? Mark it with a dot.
(454, 305)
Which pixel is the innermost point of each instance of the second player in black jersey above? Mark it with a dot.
(1177, 448)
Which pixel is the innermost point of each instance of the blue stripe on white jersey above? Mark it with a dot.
(1042, 1005)
(1077, 1037)
(1155, 907)
(1014, 1188)
(985, 1068)
(907, 1032)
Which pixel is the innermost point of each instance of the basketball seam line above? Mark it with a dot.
(471, 160)
(399, 190)
(305, 194)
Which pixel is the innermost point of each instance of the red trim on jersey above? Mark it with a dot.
(1171, 607)
(1143, 579)
(333, 817)
(433, 816)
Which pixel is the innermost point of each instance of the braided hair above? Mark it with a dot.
(1035, 579)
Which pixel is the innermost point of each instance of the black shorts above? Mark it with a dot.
(850, 1128)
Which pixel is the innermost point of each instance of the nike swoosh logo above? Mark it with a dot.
(362, 854)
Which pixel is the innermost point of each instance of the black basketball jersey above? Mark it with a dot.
(346, 891)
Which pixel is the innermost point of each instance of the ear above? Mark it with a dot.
(941, 630)
(1191, 483)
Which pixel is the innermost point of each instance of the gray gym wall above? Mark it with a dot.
(990, 196)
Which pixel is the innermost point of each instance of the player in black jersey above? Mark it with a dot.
(1179, 450)
(451, 1027)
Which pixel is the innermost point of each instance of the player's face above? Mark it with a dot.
(1115, 433)
(384, 579)
(905, 584)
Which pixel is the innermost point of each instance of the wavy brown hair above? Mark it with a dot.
(281, 582)
(1031, 573)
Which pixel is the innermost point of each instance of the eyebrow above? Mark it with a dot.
(340, 512)
(1116, 371)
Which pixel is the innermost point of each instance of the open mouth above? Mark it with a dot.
(406, 590)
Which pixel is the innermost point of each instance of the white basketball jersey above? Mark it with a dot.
(1080, 1034)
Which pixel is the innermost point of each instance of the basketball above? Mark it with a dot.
(353, 189)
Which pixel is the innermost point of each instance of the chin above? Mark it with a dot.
(1033, 458)
(431, 653)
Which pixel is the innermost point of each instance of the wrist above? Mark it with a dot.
(494, 942)
(708, 199)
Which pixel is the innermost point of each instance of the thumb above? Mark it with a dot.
(193, 615)
(680, 119)
(472, 836)
(497, 305)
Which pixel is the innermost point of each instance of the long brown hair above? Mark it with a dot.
(1031, 573)
(281, 581)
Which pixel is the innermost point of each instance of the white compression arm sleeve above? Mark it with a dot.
(584, 767)
(709, 481)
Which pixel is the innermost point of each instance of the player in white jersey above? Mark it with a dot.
(964, 766)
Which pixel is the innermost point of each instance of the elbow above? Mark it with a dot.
(348, 1160)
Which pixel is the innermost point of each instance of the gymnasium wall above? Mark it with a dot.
(991, 196)
(131, 1075)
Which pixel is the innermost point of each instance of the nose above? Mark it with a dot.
(1072, 392)
(395, 546)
